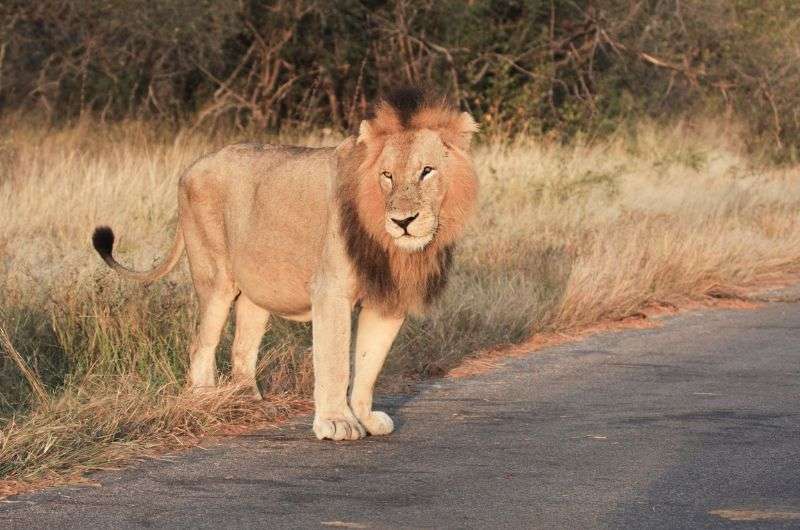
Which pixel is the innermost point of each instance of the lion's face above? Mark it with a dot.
(409, 177)
(411, 173)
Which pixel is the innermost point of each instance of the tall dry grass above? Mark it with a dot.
(566, 236)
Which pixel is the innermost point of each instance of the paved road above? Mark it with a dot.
(654, 428)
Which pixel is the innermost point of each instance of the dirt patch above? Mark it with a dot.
(645, 318)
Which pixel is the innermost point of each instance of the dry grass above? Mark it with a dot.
(107, 421)
(567, 236)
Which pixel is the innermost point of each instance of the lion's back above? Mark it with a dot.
(273, 204)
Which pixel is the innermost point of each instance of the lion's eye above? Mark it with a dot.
(425, 171)
(387, 175)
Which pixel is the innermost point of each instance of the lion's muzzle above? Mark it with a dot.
(411, 230)
(403, 223)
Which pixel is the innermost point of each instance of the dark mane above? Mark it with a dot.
(369, 258)
(407, 101)
(438, 280)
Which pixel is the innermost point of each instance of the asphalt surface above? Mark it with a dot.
(690, 425)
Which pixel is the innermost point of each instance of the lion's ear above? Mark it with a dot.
(459, 133)
(466, 128)
(365, 132)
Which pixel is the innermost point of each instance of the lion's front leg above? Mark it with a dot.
(333, 419)
(376, 333)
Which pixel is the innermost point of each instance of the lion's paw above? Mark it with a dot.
(378, 423)
(338, 428)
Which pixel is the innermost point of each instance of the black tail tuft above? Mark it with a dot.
(103, 241)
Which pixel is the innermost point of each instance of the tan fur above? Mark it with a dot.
(271, 225)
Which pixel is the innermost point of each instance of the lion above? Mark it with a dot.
(311, 233)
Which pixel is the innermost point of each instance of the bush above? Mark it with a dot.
(558, 67)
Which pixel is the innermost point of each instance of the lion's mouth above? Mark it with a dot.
(412, 243)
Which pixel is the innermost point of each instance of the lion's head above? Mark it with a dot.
(407, 186)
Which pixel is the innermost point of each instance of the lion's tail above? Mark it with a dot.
(103, 241)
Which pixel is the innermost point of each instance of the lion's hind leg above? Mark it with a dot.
(213, 283)
(214, 309)
(251, 322)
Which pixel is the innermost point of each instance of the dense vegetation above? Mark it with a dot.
(533, 66)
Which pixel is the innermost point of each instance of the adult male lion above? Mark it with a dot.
(308, 233)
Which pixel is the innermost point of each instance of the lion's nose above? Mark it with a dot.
(403, 223)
